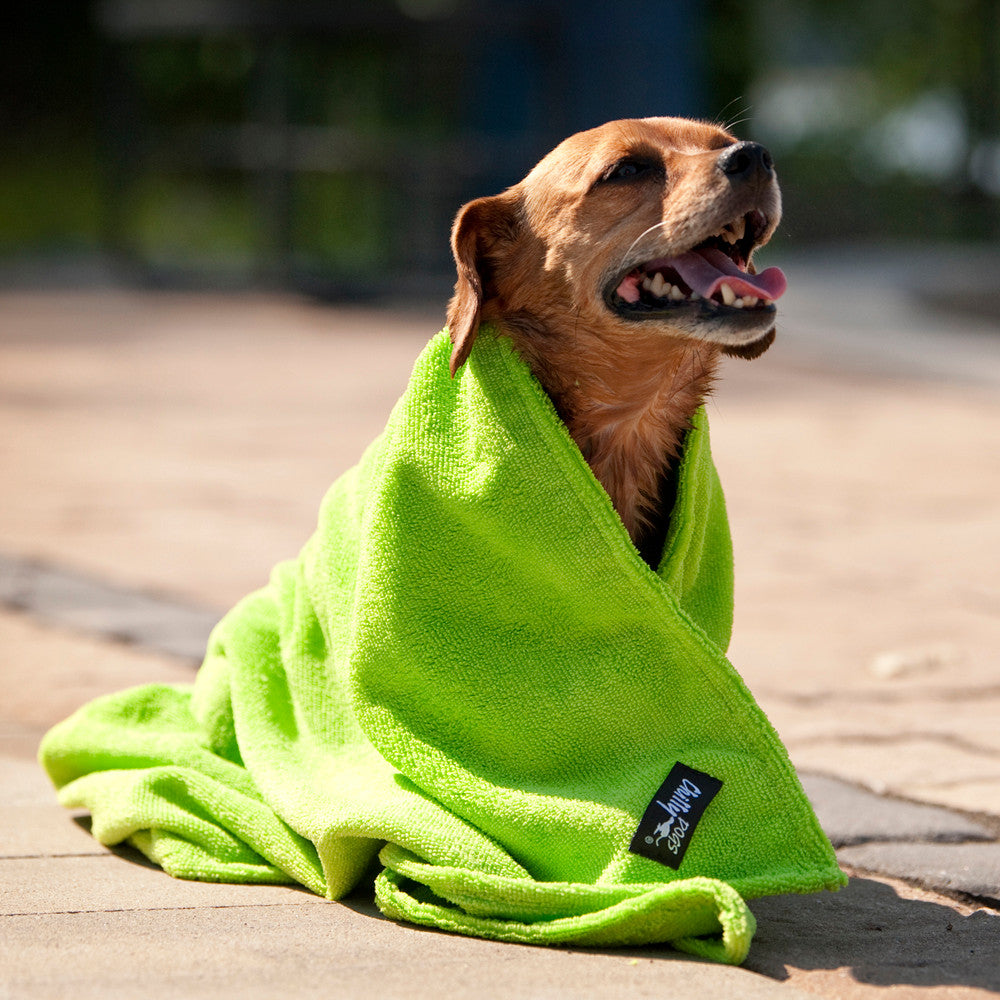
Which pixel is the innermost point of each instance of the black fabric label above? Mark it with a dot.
(669, 822)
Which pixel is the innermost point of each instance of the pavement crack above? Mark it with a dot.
(44, 857)
(959, 782)
(809, 699)
(887, 739)
(158, 909)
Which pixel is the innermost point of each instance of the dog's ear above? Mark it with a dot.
(479, 227)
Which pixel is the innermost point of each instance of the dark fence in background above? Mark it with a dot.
(327, 146)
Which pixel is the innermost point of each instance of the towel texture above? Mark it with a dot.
(470, 673)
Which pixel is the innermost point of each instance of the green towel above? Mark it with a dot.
(470, 673)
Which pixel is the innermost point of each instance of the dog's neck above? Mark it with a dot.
(628, 407)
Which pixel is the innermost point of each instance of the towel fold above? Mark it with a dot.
(470, 673)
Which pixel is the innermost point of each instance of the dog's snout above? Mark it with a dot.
(746, 161)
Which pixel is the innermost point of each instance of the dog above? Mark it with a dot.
(621, 268)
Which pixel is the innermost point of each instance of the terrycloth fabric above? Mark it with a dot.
(470, 669)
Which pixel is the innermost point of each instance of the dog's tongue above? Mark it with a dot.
(707, 270)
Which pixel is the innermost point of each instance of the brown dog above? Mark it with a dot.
(620, 267)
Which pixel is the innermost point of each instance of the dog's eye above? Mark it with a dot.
(631, 168)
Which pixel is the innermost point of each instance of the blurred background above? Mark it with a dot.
(224, 238)
(325, 146)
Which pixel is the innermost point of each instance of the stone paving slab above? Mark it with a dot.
(49, 672)
(18, 742)
(180, 445)
(820, 944)
(24, 783)
(967, 868)
(850, 815)
(855, 943)
(332, 950)
(74, 600)
(46, 831)
(960, 705)
(34, 825)
(917, 766)
(974, 795)
(878, 937)
(121, 879)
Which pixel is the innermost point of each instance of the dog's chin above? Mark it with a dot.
(752, 350)
(739, 332)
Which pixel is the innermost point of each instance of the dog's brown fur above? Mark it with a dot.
(537, 261)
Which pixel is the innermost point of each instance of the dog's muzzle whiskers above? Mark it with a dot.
(659, 225)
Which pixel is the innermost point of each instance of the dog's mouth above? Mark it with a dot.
(713, 277)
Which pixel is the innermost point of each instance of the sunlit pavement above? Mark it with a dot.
(162, 451)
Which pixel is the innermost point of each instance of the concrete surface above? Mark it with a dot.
(161, 452)
(81, 602)
(972, 869)
(851, 815)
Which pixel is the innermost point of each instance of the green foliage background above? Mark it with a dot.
(849, 71)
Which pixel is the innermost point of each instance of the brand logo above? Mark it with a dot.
(669, 822)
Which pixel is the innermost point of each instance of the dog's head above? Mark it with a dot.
(647, 223)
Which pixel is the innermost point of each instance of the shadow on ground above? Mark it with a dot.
(879, 936)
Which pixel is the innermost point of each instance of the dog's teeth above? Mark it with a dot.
(733, 232)
(767, 302)
(750, 300)
(738, 304)
(647, 283)
(658, 285)
(728, 295)
(676, 294)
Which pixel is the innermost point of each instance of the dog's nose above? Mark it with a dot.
(746, 161)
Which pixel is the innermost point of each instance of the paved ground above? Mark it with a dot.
(160, 453)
